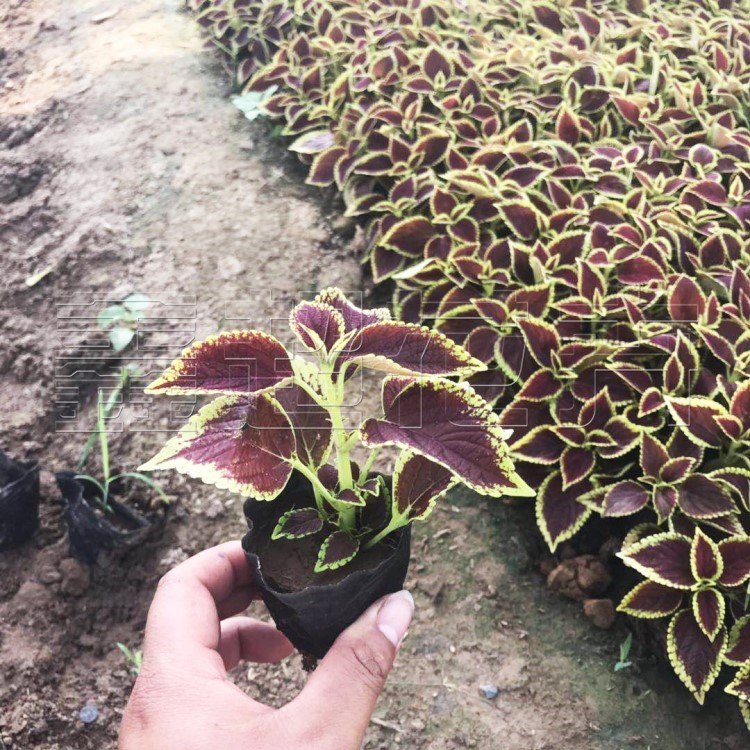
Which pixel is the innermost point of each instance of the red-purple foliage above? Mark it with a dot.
(564, 189)
(277, 412)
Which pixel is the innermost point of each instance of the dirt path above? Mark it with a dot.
(124, 168)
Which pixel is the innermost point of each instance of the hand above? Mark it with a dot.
(183, 700)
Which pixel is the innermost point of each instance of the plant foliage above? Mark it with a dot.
(564, 189)
(275, 412)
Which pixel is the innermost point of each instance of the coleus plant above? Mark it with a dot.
(276, 412)
(561, 188)
(695, 581)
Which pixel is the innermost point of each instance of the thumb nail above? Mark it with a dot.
(395, 616)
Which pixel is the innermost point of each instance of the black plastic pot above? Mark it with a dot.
(90, 531)
(19, 500)
(313, 617)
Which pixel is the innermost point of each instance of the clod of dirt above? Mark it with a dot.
(580, 578)
(76, 577)
(513, 674)
(547, 565)
(17, 130)
(19, 180)
(601, 612)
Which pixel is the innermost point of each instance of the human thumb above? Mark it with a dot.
(343, 690)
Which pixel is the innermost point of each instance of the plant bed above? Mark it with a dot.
(277, 413)
(95, 518)
(94, 527)
(19, 500)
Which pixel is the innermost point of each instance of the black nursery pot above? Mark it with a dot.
(313, 616)
(19, 500)
(89, 530)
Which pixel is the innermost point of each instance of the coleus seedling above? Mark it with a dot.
(277, 412)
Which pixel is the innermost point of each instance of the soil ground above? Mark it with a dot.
(125, 168)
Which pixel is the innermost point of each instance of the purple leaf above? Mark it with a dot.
(408, 349)
(651, 600)
(541, 339)
(738, 648)
(730, 426)
(711, 192)
(354, 317)
(533, 301)
(709, 609)
(448, 423)
(317, 326)
(310, 421)
(567, 247)
(694, 656)
(568, 127)
(624, 499)
(701, 497)
(435, 63)
(738, 481)
(665, 501)
(597, 412)
(337, 550)
(323, 169)
(740, 404)
(735, 554)
(575, 464)
(686, 301)
(417, 483)
(676, 469)
(664, 558)
(740, 687)
(238, 443)
(543, 385)
(559, 514)
(629, 110)
(639, 270)
(651, 401)
(549, 17)
(409, 236)
(705, 558)
(238, 362)
(696, 417)
(523, 219)
(296, 524)
(624, 438)
(313, 142)
(540, 445)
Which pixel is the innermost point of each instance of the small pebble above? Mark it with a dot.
(490, 692)
(88, 714)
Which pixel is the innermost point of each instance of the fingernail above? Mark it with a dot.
(395, 615)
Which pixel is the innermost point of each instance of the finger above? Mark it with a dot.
(183, 622)
(237, 602)
(246, 639)
(353, 673)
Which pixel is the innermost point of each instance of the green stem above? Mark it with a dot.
(321, 492)
(368, 464)
(104, 444)
(340, 439)
(107, 409)
(347, 516)
(311, 392)
(396, 523)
